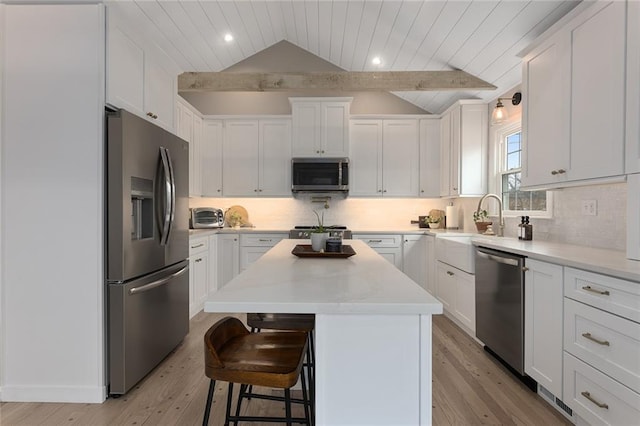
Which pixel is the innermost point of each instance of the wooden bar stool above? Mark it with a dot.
(289, 322)
(233, 354)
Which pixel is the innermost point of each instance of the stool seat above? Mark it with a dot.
(297, 322)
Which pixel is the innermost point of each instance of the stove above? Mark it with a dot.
(302, 232)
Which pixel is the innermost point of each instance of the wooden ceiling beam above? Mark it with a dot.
(348, 81)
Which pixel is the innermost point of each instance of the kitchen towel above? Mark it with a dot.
(451, 214)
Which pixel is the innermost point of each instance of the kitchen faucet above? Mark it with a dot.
(500, 218)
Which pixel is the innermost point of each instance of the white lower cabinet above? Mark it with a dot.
(414, 253)
(601, 347)
(430, 284)
(228, 258)
(198, 273)
(253, 246)
(542, 324)
(456, 290)
(388, 246)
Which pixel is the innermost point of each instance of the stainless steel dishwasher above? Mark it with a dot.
(500, 305)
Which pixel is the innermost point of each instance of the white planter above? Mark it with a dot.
(318, 240)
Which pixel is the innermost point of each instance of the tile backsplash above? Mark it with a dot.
(605, 230)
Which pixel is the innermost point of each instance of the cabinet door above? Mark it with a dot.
(365, 178)
(125, 71)
(414, 254)
(159, 93)
(195, 158)
(431, 264)
(392, 254)
(633, 89)
(248, 255)
(446, 286)
(454, 149)
(465, 299)
(334, 134)
(198, 278)
(240, 158)
(542, 324)
(473, 151)
(275, 158)
(429, 158)
(598, 94)
(211, 158)
(228, 258)
(306, 119)
(445, 154)
(400, 158)
(213, 264)
(545, 127)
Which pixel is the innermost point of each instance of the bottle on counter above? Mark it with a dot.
(528, 230)
(521, 228)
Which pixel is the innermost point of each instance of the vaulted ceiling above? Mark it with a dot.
(481, 37)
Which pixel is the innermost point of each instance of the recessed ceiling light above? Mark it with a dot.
(376, 60)
(228, 37)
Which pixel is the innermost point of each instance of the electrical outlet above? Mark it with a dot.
(589, 208)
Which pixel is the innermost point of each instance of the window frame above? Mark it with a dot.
(500, 136)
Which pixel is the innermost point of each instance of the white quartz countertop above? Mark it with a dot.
(404, 230)
(280, 282)
(608, 262)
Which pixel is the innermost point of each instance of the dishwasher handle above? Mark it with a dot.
(500, 259)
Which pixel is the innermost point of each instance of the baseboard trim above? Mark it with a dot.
(80, 394)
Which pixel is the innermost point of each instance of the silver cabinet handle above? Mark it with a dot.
(322, 151)
(198, 260)
(384, 190)
(593, 339)
(157, 283)
(554, 172)
(197, 245)
(375, 241)
(595, 290)
(450, 273)
(318, 152)
(561, 171)
(264, 240)
(590, 398)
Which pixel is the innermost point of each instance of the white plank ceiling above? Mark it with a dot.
(481, 37)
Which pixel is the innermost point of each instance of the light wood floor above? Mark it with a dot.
(469, 388)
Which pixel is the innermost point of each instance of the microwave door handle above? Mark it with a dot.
(339, 172)
(166, 189)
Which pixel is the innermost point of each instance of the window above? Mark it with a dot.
(515, 201)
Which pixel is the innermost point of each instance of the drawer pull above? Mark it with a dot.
(450, 273)
(197, 245)
(595, 290)
(590, 398)
(593, 339)
(375, 241)
(264, 240)
(198, 260)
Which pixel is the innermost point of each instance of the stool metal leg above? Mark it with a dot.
(287, 407)
(243, 389)
(305, 399)
(226, 416)
(207, 409)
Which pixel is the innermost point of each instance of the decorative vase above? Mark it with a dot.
(482, 226)
(434, 225)
(318, 240)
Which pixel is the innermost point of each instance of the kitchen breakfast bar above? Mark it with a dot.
(373, 329)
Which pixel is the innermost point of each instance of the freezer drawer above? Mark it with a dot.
(148, 318)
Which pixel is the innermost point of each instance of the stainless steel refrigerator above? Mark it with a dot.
(147, 239)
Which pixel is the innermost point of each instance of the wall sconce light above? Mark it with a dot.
(500, 114)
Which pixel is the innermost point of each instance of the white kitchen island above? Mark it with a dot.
(373, 330)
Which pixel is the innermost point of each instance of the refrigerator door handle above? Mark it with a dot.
(172, 180)
(157, 283)
(168, 196)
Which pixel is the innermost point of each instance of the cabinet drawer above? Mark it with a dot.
(380, 240)
(457, 252)
(613, 295)
(586, 391)
(260, 240)
(198, 245)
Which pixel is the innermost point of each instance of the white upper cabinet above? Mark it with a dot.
(189, 128)
(211, 158)
(464, 149)
(429, 158)
(140, 77)
(320, 127)
(257, 158)
(384, 158)
(574, 95)
(633, 88)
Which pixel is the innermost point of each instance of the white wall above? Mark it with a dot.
(52, 203)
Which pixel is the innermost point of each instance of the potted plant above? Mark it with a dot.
(480, 217)
(433, 221)
(319, 235)
(234, 219)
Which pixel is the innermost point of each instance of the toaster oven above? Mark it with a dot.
(206, 217)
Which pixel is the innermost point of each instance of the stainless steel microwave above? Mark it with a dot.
(320, 174)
